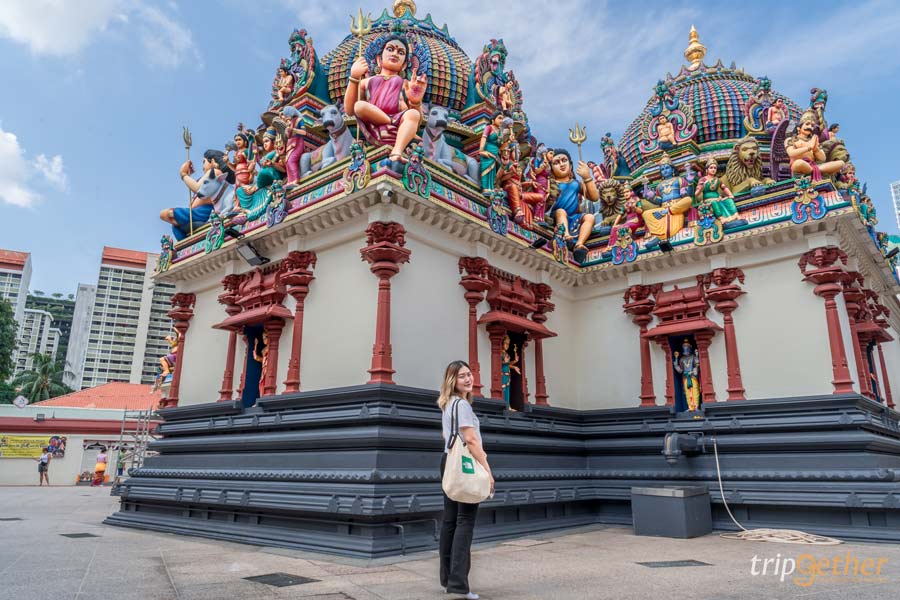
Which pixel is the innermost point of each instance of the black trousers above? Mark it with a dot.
(456, 542)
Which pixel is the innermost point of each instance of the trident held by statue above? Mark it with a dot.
(578, 136)
(186, 136)
(360, 26)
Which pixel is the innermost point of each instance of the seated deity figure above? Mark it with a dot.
(387, 106)
(688, 367)
(537, 180)
(509, 178)
(775, 114)
(807, 158)
(713, 190)
(665, 203)
(569, 192)
(181, 219)
(666, 132)
(285, 84)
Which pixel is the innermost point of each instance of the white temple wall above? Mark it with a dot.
(891, 352)
(205, 348)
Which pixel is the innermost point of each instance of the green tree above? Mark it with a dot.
(43, 381)
(8, 393)
(39, 293)
(8, 329)
(56, 295)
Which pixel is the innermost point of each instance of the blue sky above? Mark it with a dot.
(96, 92)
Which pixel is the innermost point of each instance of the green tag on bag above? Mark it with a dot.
(468, 466)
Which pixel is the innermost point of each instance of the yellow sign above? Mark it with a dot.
(30, 446)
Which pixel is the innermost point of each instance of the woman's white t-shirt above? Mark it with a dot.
(465, 418)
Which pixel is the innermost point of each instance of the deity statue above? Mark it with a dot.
(387, 105)
(668, 122)
(262, 356)
(284, 84)
(567, 193)
(666, 132)
(744, 169)
(818, 98)
(489, 75)
(508, 364)
(775, 114)
(807, 158)
(537, 179)
(713, 190)
(615, 164)
(867, 211)
(611, 206)
(295, 74)
(846, 179)
(167, 362)
(509, 178)
(489, 151)
(292, 123)
(688, 366)
(664, 204)
(214, 167)
(631, 223)
(244, 160)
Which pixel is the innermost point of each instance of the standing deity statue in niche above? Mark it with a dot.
(666, 132)
(261, 355)
(508, 364)
(807, 157)
(284, 85)
(387, 104)
(489, 152)
(290, 127)
(295, 74)
(713, 190)
(668, 122)
(167, 362)
(537, 179)
(775, 114)
(207, 193)
(663, 205)
(687, 365)
(490, 80)
(567, 193)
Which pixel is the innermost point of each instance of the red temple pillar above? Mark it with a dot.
(854, 299)
(181, 313)
(496, 334)
(385, 253)
(475, 282)
(273, 328)
(725, 296)
(229, 299)
(828, 279)
(704, 339)
(885, 381)
(542, 293)
(670, 381)
(639, 304)
(297, 276)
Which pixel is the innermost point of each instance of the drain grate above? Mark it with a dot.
(280, 579)
(10, 518)
(78, 535)
(662, 564)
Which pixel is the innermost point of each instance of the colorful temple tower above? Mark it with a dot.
(715, 274)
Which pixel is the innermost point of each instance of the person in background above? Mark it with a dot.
(44, 466)
(100, 467)
(459, 517)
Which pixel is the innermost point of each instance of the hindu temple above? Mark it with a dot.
(711, 282)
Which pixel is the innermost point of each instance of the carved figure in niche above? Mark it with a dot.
(664, 204)
(712, 189)
(775, 114)
(212, 191)
(489, 75)
(167, 362)
(537, 179)
(290, 127)
(744, 168)
(508, 364)
(489, 151)
(567, 193)
(666, 132)
(387, 106)
(335, 149)
(261, 355)
(806, 155)
(687, 365)
(284, 84)
(437, 149)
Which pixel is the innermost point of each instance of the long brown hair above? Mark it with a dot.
(448, 387)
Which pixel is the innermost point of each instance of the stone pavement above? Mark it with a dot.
(38, 562)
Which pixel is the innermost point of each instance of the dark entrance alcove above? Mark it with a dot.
(252, 368)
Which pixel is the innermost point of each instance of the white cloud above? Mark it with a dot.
(65, 27)
(52, 170)
(17, 175)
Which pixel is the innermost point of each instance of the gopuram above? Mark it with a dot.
(714, 277)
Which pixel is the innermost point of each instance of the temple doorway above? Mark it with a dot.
(516, 379)
(252, 367)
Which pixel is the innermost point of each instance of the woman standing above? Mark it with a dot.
(459, 517)
(100, 468)
(44, 466)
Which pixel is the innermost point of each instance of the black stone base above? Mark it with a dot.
(354, 471)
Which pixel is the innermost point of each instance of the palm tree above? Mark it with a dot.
(43, 381)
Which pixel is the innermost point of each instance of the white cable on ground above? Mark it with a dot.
(785, 536)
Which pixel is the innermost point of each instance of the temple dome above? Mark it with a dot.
(450, 71)
(715, 94)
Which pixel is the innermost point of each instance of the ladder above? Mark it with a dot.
(135, 435)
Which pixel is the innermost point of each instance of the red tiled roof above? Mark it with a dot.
(123, 258)
(115, 394)
(10, 259)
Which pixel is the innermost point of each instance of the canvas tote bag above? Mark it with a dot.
(465, 480)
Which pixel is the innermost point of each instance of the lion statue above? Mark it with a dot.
(611, 204)
(744, 168)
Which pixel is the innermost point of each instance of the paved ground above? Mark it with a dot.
(38, 562)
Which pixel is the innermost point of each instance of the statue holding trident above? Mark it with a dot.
(360, 27)
(387, 104)
(188, 142)
(578, 136)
